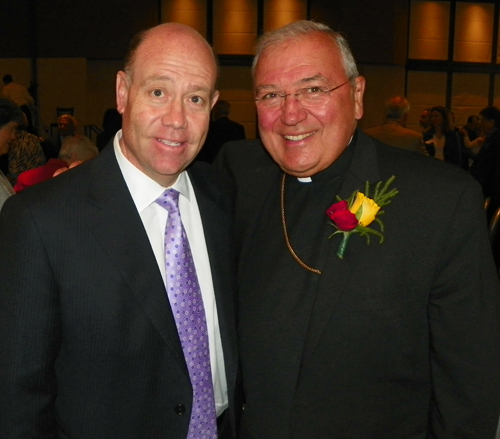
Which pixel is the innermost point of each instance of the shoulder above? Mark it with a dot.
(214, 193)
(245, 154)
(62, 190)
(245, 162)
(432, 190)
(419, 171)
(373, 130)
(209, 180)
(411, 133)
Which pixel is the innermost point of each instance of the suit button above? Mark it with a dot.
(180, 409)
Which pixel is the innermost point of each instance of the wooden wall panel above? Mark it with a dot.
(425, 90)
(190, 12)
(429, 29)
(469, 95)
(473, 32)
(235, 26)
(382, 82)
(235, 86)
(277, 13)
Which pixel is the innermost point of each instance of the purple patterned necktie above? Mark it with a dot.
(184, 294)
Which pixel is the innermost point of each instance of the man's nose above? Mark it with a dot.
(175, 114)
(292, 110)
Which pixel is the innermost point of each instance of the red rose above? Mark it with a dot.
(343, 219)
(341, 205)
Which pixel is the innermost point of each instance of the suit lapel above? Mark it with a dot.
(335, 271)
(118, 227)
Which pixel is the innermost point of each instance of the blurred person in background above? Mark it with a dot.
(25, 152)
(111, 123)
(442, 141)
(393, 131)
(19, 94)
(75, 150)
(11, 117)
(66, 126)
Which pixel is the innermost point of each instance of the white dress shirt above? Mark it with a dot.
(144, 192)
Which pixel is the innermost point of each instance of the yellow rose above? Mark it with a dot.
(365, 209)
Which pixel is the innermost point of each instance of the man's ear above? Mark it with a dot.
(122, 86)
(215, 98)
(359, 90)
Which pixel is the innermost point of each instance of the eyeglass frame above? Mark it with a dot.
(299, 93)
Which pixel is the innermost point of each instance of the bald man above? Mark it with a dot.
(394, 132)
(100, 338)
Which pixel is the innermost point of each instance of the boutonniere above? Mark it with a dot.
(355, 214)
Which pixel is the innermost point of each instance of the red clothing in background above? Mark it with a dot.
(37, 175)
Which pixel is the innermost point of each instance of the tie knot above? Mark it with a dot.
(169, 200)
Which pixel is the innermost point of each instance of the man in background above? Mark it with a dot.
(486, 166)
(222, 130)
(394, 132)
(472, 127)
(425, 120)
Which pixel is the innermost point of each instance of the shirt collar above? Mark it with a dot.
(143, 189)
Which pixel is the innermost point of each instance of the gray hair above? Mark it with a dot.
(300, 28)
(84, 148)
(396, 107)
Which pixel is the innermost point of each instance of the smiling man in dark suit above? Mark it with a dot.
(103, 335)
(389, 340)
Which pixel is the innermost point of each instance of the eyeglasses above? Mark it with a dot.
(308, 97)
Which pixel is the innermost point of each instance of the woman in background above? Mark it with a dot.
(442, 140)
(11, 117)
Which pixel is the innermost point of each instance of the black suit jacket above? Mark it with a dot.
(222, 130)
(88, 343)
(397, 340)
(486, 167)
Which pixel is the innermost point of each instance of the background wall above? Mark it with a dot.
(74, 49)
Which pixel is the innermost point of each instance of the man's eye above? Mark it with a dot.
(270, 96)
(157, 93)
(198, 100)
(313, 90)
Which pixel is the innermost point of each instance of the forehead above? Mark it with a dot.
(175, 57)
(293, 60)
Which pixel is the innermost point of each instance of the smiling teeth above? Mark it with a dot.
(299, 137)
(166, 142)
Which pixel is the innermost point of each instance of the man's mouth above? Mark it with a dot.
(299, 136)
(169, 143)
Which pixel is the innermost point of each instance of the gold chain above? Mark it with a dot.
(287, 240)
